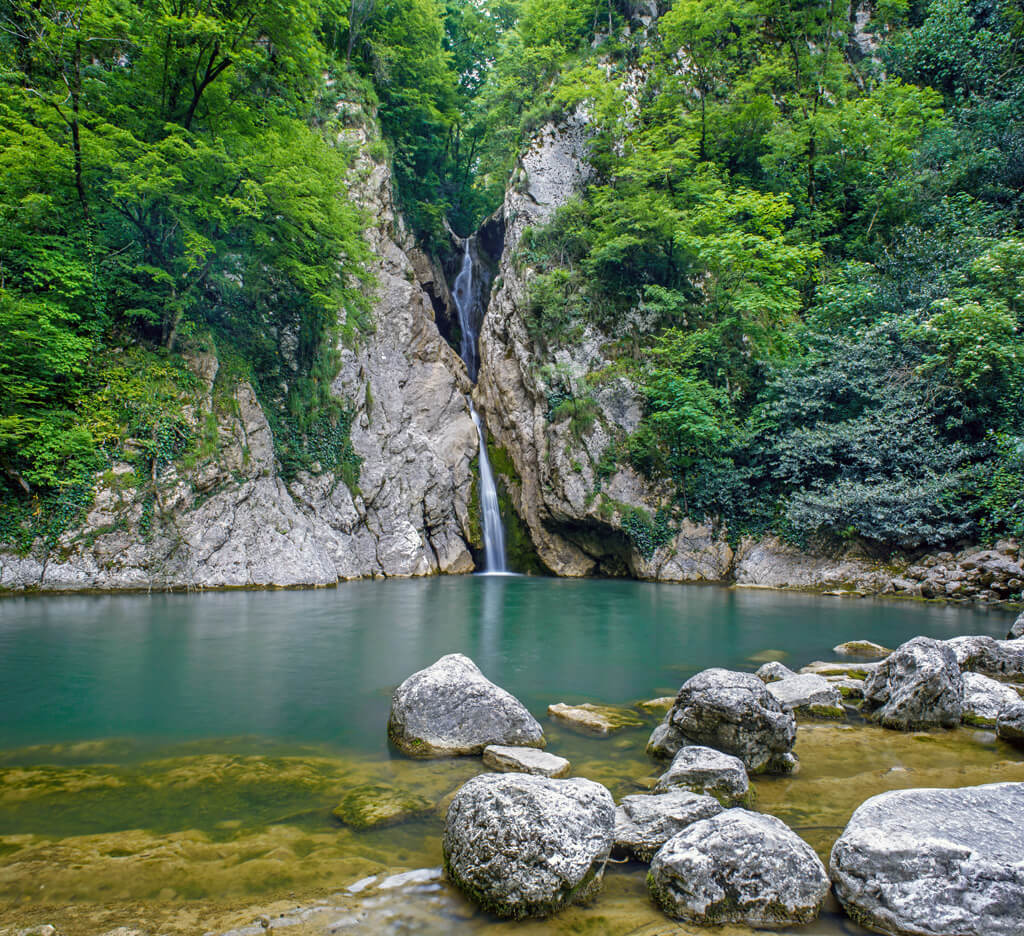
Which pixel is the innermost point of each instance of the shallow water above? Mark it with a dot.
(173, 759)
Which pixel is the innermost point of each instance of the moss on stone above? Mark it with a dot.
(377, 806)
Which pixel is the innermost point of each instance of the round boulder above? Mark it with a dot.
(735, 712)
(526, 846)
(705, 770)
(933, 862)
(984, 699)
(451, 708)
(739, 867)
(773, 671)
(645, 822)
(917, 686)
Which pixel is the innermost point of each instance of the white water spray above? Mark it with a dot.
(464, 306)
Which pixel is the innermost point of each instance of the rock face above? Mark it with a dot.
(522, 846)
(731, 712)
(233, 519)
(594, 719)
(984, 699)
(990, 657)
(707, 771)
(934, 862)
(451, 708)
(918, 686)
(643, 823)
(1010, 724)
(739, 867)
(809, 695)
(504, 759)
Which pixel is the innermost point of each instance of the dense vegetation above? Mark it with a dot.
(807, 243)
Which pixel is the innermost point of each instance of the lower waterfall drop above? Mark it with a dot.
(494, 532)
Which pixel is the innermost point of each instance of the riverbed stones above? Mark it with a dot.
(504, 759)
(1016, 628)
(377, 805)
(644, 822)
(731, 712)
(935, 862)
(704, 770)
(809, 695)
(739, 867)
(984, 699)
(1010, 724)
(1003, 659)
(526, 846)
(773, 671)
(918, 686)
(451, 708)
(594, 719)
(861, 648)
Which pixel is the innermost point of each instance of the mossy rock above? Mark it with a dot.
(376, 806)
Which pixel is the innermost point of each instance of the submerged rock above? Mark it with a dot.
(984, 699)
(704, 770)
(376, 805)
(1016, 629)
(504, 759)
(644, 822)
(918, 686)
(861, 648)
(808, 694)
(773, 671)
(523, 846)
(452, 708)
(935, 862)
(990, 657)
(1010, 724)
(732, 712)
(739, 867)
(594, 719)
(661, 704)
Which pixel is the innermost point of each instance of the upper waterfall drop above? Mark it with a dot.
(463, 297)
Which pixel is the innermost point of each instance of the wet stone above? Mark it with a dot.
(773, 671)
(706, 771)
(984, 699)
(917, 686)
(376, 805)
(861, 648)
(809, 695)
(1010, 724)
(644, 822)
(525, 760)
(594, 719)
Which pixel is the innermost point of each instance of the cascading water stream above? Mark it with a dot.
(494, 532)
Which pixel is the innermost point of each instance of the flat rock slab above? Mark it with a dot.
(526, 760)
(917, 686)
(524, 846)
(594, 719)
(706, 771)
(984, 699)
(739, 867)
(861, 648)
(809, 695)
(935, 862)
(860, 670)
(376, 805)
(644, 822)
(451, 708)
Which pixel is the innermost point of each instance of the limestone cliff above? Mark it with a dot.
(228, 518)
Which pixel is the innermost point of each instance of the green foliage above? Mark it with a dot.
(646, 533)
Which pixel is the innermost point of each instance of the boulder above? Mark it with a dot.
(808, 694)
(917, 686)
(503, 759)
(861, 648)
(1016, 628)
(990, 657)
(377, 805)
(733, 712)
(704, 770)
(739, 867)
(594, 719)
(644, 822)
(666, 740)
(452, 708)
(935, 862)
(525, 846)
(849, 688)
(984, 699)
(772, 671)
(1010, 724)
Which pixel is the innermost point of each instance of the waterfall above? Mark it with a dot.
(494, 533)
